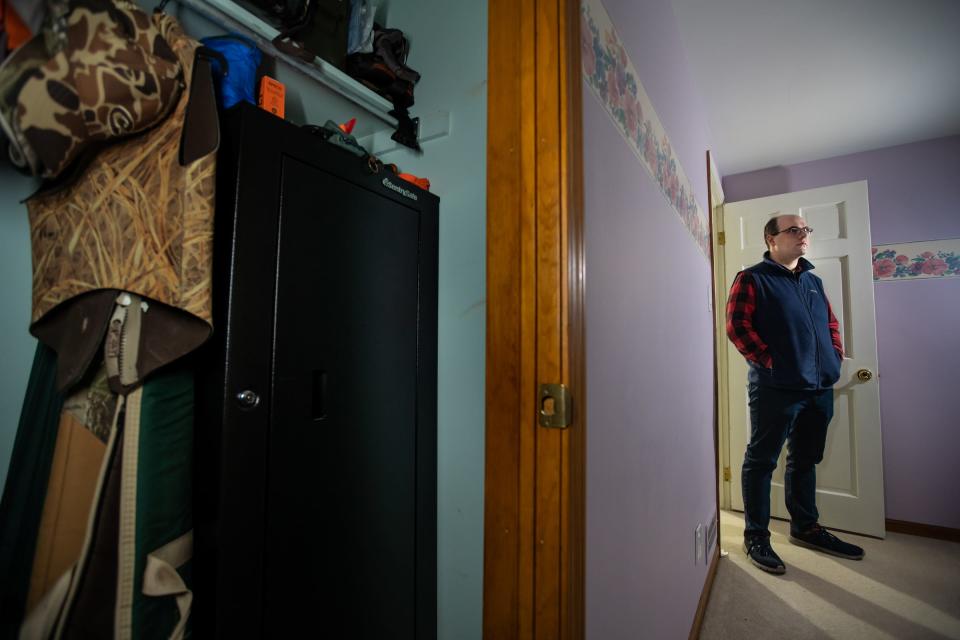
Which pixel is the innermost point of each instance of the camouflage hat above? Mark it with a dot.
(100, 72)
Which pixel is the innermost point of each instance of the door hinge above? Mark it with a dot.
(554, 402)
(726, 474)
(721, 238)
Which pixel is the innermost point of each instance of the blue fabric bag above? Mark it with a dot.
(238, 81)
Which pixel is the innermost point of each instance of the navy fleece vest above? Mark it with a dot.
(791, 318)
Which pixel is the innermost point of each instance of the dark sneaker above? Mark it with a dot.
(762, 555)
(822, 540)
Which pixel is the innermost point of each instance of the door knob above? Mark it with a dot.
(248, 399)
(864, 374)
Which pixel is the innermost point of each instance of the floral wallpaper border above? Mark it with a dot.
(913, 260)
(613, 80)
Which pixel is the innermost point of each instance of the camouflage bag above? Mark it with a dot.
(98, 71)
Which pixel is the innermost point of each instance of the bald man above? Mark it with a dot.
(779, 318)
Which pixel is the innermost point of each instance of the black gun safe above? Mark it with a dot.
(315, 501)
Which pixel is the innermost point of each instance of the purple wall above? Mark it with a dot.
(914, 196)
(649, 33)
(650, 451)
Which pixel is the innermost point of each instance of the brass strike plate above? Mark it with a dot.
(555, 406)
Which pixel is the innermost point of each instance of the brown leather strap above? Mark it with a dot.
(201, 124)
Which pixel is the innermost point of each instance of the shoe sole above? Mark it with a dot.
(774, 570)
(801, 543)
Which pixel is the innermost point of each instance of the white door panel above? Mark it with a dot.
(850, 478)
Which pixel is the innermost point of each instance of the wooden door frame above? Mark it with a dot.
(534, 512)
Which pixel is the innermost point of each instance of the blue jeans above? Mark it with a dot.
(801, 418)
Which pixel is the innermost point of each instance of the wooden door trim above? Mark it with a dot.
(574, 304)
(534, 487)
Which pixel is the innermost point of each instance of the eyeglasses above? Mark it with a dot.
(794, 231)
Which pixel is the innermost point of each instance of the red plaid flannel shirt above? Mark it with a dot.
(740, 308)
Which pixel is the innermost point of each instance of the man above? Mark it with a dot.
(779, 318)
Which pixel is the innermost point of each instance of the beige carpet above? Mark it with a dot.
(905, 587)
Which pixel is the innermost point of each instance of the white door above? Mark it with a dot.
(850, 478)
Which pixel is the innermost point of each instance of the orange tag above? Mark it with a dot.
(17, 31)
(272, 95)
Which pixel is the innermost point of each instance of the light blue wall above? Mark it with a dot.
(449, 48)
(16, 344)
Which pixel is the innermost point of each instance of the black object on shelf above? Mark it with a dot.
(308, 28)
(315, 500)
